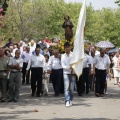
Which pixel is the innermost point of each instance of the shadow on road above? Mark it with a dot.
(83, 119)
(50, 100)
(27, 100)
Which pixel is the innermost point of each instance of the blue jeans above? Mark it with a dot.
(69, 92)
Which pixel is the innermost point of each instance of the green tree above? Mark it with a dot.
(117, 2)
(41, 18)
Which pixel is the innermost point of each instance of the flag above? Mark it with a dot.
(78, 52)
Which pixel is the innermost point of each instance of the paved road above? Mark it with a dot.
(49, 107)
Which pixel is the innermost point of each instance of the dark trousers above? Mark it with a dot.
(24, 73)
(62, 84)
(92, 82)
(56, 77)
(100, 81)
(3, 86)
(36, 76)
(83, 82)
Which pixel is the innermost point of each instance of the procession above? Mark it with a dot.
(22, 64)
(57, 62)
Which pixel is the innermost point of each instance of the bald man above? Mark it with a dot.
(55, 67)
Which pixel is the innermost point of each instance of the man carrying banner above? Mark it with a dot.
(75, 60)
(69, 77)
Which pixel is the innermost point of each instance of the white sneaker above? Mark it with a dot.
(67, 104)
(70, 103)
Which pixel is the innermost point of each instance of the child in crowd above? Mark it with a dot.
(46, 76)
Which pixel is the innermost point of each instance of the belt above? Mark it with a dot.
(15, 71)
(100, 69)
(3, 70)
(36, 67)
(25, 62)
(57, 69)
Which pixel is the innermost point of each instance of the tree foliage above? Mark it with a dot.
(117, 2)
(41, 18)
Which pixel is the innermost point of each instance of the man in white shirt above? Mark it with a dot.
(69, 77)
(18, 48)
(36, 63)
(83, 82)
(94, 48)
(25, 42)
(32, 46)
(54, 65)
(26, 57)
(15, 64)
(100, 69)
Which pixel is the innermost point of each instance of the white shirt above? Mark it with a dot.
(54, 63)
(101, 63)
(97, 52)
(24, 44)
(14, 50)
(91, 61)
(115, 61)
(86, 61)
(36, 61)
(39, 42)
(13, 53)
(14, 61)
(21, 50)
(26, 56)
(32, 48)
(45, 67)
(65, 61)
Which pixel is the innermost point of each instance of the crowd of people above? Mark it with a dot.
(37, 64)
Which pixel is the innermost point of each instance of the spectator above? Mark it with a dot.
(9, 43)
(15, 64)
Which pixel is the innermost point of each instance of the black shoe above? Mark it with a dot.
(46, 94)
(15, 100)
(32, 94)
(9, 100)
(0, 99)
(41, 92)
(97, 94)
(23, 83)
(27, 83)
(80, 95)
(87, 92)
(56, 95)
(37, 95)
(3, 99)
(101, 95)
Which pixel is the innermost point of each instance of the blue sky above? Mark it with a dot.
(98, 4)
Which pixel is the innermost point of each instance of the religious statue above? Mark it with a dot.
(68, 25)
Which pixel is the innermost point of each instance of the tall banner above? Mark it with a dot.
(78, 51)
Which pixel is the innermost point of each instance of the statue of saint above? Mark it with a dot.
(68, 25)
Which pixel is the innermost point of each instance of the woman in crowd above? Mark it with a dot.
(115, 68)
